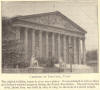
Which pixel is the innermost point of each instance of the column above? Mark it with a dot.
(33, 42)
(17, 37)
(17, 33)
(64, 40)
(59, 52)
(40, 43)
(84, 51)
(75, 53)
(79, 51)
(70, 53)
(53, 45)
(47, 45)
(69, 50)
(26, 43)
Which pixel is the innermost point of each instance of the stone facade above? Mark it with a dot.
(51, 36)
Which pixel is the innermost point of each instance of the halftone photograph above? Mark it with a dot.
(49, 37)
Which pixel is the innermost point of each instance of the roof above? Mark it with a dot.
(51, 13)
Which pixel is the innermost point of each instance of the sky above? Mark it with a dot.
(82, 13)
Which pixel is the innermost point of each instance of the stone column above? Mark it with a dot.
(84, 51)
(59, 52)
(75, 53)
(64, 40)
(40, 44)
(70, 54)
(26, 43)
(67, 50)
(79, 51)
(33, 42)
(17, 29)
(47, 45)
(53, 45)
(17, 33)
(69, 47)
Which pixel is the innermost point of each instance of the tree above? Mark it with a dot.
(12, 53)
(12, 49)
(91, 55)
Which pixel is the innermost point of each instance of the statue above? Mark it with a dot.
(34, 62)
(61, 64)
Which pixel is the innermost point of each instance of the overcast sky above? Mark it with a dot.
(84, 14)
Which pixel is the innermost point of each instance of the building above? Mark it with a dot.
(51, 35)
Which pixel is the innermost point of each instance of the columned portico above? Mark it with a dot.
(67, 45)
(50, 41)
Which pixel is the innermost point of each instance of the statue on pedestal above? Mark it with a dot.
(61, 64)
(34, 62)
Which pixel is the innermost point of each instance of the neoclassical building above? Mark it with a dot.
(51, 36)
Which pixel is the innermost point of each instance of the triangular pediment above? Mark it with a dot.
(55, 19)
